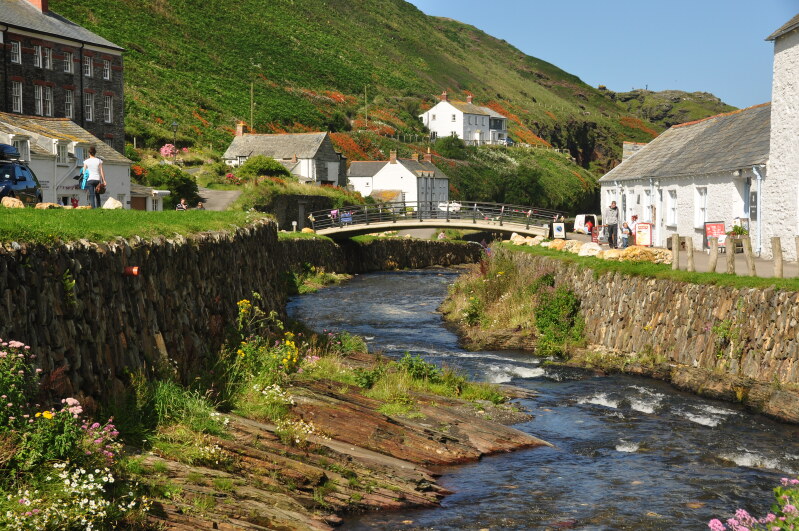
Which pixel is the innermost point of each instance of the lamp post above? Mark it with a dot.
(174, 142)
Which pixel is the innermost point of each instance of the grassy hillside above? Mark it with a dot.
(670, 107)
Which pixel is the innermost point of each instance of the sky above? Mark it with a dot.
(715, 46)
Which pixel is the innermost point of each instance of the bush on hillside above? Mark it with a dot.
(132, 153)
(177, 181)
(451, 147)
(262, 166)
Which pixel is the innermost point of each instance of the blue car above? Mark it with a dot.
(16, 179)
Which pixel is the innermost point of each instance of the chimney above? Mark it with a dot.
(294, 158)
(392, 158)
(241, 128)
(41, 5)
(415, 157)
(469, 98)
(428, 157)
(444, 96)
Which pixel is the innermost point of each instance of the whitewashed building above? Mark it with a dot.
(55, 148)
(416, 180)
(311, 157)
(471, 123)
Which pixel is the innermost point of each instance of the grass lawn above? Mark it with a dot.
(45, 226)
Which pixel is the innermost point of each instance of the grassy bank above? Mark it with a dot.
(99, 225)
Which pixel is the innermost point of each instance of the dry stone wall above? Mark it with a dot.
(748, 333)
(90, 324)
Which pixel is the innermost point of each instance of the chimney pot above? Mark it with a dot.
(41, 5)
(392, 158)
(444, 96)
(415, 157)
(428, 157)
(469, 98)
(241, 128)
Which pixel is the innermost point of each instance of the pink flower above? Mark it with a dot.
(789, 509)
(715, 525)
(16, 344)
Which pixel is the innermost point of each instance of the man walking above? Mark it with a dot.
(611, 219)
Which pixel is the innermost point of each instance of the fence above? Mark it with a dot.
(754, 266)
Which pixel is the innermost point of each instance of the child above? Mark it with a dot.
(626, 232)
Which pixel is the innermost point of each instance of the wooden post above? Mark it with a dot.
(714, 255)
(689, 250)
(729, 248)
(750, 258)
(675, 251)
(776, 249)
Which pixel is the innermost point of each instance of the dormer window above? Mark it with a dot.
(24, 147)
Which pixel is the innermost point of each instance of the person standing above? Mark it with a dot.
(182, 206)
(611, 219)
(626, 233)
(94, 166)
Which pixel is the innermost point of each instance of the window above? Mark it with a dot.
(61, 153)
(37, 56)
(106, 69)
(48, 101)
(700, 207)
(108, 109)
(434, 118)
(48, 58)
(156, 204)
(69, 67)
(69, 104)
(79, 156)
(88, 67)
(16, 96)
(24, 149)
(16, 52)
(671, 208)
(453, 117)
(88, 107)
(38, 99)
(647, 214)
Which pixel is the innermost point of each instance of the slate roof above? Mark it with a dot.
(365, 168)
(785, 28)
(419, 167)
(60, 129)
(471, 108)
(283, 146)
(23, 15)
(725, 142)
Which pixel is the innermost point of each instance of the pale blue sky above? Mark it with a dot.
(713, 46)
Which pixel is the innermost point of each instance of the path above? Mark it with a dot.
(218, 199)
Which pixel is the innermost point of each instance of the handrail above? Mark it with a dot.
(445, 212)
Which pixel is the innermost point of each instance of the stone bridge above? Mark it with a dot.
(353, 220)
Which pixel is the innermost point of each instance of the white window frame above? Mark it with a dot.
(88, 106)
(62, 153)
(106, 69)
(433, 119)
(38, 100)
(647, 206)
(69, 104)
(671, 208)
(47, 58)
(69, 64)
(108, 109)
(80, 155)
(16, 52)
(16, 96)
(156, 204)
(37, 55)
(24, 147)
(48, 101)
(453, 118)
(88, 66)
(700, 207)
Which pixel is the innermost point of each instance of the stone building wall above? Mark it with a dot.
(90, 324)
(749, 333)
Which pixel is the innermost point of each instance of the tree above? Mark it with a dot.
(451, 147)
(178, 182)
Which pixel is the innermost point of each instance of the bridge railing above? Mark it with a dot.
(404, 211)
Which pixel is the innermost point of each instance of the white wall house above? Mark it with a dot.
(311, 157)
(471, 123)
(417, 180)
(55, 148)
(696, 172)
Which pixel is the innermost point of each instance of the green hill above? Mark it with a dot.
(313, 64)
(671, 107)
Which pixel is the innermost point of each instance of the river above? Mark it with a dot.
(629, 453)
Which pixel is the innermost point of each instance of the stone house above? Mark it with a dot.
(55, 148)
(743, 164)
(416, 180)
(53, 67)
(311, 157)
(692, 173)
(471, 123)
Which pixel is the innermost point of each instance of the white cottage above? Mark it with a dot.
(54, 149)
(416, 180)
(471, 123)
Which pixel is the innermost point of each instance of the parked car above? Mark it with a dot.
(16, 179)
(507, 142)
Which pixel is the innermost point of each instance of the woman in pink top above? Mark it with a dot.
(94, 166)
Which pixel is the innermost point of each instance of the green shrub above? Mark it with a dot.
(177, 181)
(419, 369)
(451, 147)
(132, 153)
(260, 166)
(558, 320)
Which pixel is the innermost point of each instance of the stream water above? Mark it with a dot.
(629, 453)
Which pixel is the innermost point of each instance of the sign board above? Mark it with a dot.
(715, 229)
(559, 231)
(595, 234)
(643, 234)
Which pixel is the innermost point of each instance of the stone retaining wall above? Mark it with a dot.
(90, 324)
(748, 333)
